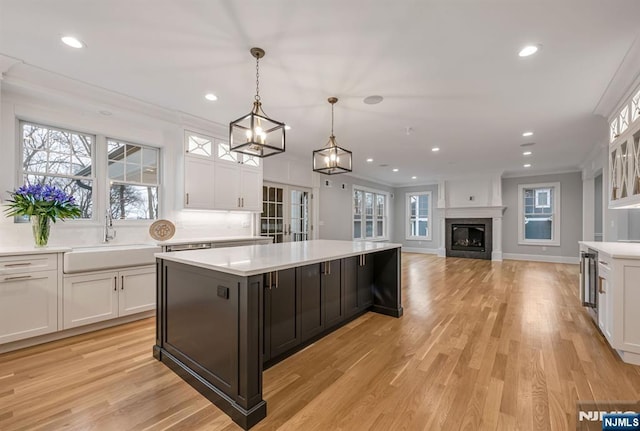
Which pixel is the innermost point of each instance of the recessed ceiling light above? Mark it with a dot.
(528, 165)
(73, 42)
(435, 149)
(529, 50)
(525, 134)
(414, 177)
(210, 96)
(287, 127)
(395, 169)
(369, 160)
(373, 100)
(527, 153)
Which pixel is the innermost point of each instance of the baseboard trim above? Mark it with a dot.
(58, 335)
(541, 258)
(420, 250)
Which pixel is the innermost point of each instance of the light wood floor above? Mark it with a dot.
(482, 346)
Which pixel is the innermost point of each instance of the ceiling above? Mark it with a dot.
(448, 71)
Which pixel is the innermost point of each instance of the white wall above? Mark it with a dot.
(473, 191)
(68, 104)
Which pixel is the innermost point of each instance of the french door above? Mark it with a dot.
(286, 213)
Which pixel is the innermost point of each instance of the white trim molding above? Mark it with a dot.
(541, 258)
(407, 218)
(421, 250)
(555, 215)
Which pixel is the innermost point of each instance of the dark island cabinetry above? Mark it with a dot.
(225, 314)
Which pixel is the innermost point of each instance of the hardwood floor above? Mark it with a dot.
(482, 346)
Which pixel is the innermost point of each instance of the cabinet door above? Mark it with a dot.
(311, 300)
(605, 303)
(350, 284)
(198, 180)
(226, 186)
(282, 302)
(28, 305)
(137, 290)
(334, 310)
(90, 298)
(251, 193)
(365, 281)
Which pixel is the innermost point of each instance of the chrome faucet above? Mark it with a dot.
(109, 231)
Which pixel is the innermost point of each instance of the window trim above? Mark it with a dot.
(385, 217)
(429, 236)
(556, 215)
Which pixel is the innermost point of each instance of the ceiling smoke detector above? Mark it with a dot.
(373, 100)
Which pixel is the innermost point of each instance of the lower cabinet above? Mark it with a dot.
(358, 283)
(311, 300)
(334, 293)
(605, 302)
(281, 317)
(28, 305)
(94, 297)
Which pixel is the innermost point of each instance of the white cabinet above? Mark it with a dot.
(605, 300)
(198, 179)
(624, 156)
(28, 296)
(217, 178)
(94, 297)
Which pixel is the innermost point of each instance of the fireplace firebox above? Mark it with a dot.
(469, 238)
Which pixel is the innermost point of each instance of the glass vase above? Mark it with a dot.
(41, 227)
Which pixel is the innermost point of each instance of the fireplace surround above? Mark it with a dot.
(469, 237)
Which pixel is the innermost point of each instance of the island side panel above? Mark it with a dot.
(387, 283)
(157, 348)
(203, 340)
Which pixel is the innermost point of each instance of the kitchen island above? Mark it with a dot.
(225, 314)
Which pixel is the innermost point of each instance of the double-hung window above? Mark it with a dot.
(419, 215)
(539, 214)
(62, 158)
(369, 214)
(133, 180)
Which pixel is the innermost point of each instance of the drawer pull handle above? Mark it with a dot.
(600, 289)
(19, 277)
(12, 265)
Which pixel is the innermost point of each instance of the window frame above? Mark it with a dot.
(555, 215)
(21, 173)
(109, 182)
(429, 235)
(100, 176)
(375, 219)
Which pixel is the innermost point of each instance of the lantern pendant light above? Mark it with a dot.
(255, 134)
(332, 159)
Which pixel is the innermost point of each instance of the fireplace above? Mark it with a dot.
(470, 238)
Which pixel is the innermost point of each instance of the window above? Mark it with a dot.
(539, 214)
(419, 215)
(59, 157)
(133, 180)
(369, 214)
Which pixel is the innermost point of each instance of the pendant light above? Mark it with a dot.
(332, 159)
(255, 134)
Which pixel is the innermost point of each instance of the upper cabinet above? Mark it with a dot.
(217, 178)
(624, 156)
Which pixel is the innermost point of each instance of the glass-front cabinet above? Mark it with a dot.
(624, 156)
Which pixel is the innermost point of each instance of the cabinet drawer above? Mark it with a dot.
(28, 263)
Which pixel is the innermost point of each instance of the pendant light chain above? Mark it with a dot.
(257, 79)
(332, 105)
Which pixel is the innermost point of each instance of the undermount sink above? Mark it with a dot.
(107, 256)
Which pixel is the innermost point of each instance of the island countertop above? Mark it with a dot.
(258, 259)
(619, 250)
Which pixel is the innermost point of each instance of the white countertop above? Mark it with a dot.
(258, 259)
(22, 250)
(619, 250)
(216, 239)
